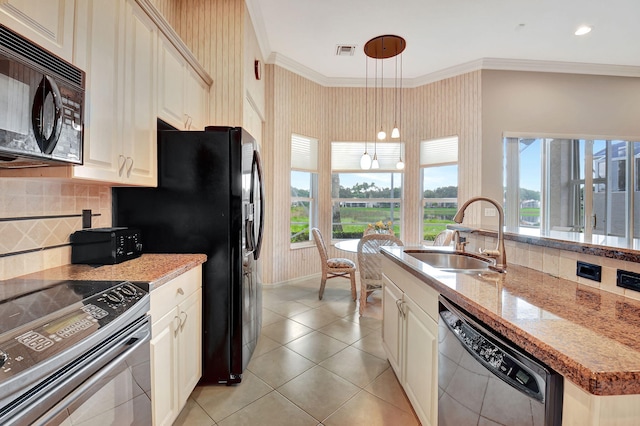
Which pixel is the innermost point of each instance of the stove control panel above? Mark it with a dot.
(56, 335)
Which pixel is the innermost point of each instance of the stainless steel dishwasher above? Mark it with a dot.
(484, 380)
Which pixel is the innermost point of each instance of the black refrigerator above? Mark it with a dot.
(209, 200)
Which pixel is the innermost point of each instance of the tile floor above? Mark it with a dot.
(317, 363)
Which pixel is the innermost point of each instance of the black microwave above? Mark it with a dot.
(41, 105)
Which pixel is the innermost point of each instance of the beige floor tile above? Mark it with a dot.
(193, 415)
(387, 387)
(220, 401)
(289, 308)
(269, 317)
(285, 331)
(316, 318)
(368, 410)
(346, 331)
(309, 391)
(358, 367)
(372, 344)
(279, 366)
(265, 345)
(374, 323)
(316, 346)
(342, 307)
(271, 410)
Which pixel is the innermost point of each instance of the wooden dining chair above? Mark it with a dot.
(333, 267)
(369, 263)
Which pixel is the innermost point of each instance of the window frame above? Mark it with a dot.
(447, 159)
(304, 159)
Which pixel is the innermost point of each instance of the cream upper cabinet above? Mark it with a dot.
(116, 45)
(98, 53)
(139, 151)
(48, 23)
(182, 94)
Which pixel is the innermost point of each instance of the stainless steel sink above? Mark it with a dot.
(451, 261)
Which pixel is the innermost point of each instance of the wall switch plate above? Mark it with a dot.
(629, 280)
(489, 212)
(589, 271)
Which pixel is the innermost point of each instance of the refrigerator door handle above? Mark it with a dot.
(256, 172)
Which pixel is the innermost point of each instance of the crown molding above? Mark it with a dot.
(464, 68)
(255, 13)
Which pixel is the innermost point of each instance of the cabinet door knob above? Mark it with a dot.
(180, 291)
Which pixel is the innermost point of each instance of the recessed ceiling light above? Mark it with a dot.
(582, 30)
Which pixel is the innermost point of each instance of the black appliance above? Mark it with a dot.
(66, 345)
(41, 105)
(209, 200)
(483, 379)
(105, 246)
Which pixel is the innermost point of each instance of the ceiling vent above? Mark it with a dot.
(345, 49)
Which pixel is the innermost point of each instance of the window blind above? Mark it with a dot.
(441, 151)
(304, 153)
(345, 156)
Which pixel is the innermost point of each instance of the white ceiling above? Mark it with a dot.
(449, 36)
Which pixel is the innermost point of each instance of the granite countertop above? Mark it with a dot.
(155, 269)
(591, 337)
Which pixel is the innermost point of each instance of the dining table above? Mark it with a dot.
(350, 246)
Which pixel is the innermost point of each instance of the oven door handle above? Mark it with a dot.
(85, 378)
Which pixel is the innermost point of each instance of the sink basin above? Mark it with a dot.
(448, 261)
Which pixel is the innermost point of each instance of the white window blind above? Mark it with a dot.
(345, 156)
(304, 153)
(439, 151)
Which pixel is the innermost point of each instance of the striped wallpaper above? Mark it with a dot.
(214, 31)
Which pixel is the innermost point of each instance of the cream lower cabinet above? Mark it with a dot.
(410, 339)
(176, 344)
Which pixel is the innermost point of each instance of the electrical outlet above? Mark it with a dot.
(489, 212)
(629, 280)
(589, 271)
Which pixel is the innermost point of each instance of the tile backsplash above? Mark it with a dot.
(38, 215)
(559, 263)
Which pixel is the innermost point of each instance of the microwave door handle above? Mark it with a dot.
(47, 87)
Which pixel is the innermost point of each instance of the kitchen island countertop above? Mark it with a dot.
(155, 269)
(590, 336)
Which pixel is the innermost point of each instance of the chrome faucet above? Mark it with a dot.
(499, 253)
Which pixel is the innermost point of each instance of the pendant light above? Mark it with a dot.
(400, 163)
(381, 48)
(365, 160)
(395, 133)
(375, 164)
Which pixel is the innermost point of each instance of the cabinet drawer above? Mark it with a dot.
(171, 294)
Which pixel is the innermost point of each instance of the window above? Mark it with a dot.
(363, 197)
(580, 186)
(304, 188)
(439, 175)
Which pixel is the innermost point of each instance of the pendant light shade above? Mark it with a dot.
(395, 133)
(374, 163)
(365, 161)
(400, 163)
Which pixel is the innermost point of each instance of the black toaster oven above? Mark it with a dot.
(105, 246)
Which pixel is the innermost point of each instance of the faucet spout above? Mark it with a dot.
(499, 253)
